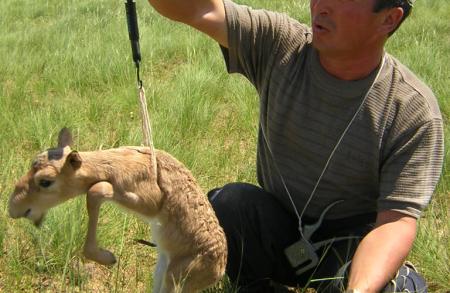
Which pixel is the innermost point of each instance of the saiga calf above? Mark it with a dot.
(191, 244)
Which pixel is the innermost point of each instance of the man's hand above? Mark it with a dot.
(381, 253)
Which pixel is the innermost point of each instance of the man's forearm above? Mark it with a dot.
(183, 10)
(173, 9)
(208, 16)
(382, 252)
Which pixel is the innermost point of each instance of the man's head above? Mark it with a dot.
(353, 27)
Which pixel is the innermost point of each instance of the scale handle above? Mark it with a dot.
(133, 30)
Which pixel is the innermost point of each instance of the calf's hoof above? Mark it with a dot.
(102, 256)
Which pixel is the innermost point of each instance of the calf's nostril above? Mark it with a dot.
(27, 213)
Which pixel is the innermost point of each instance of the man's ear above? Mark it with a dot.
(64, 138)
(391, 20)
(74, 160)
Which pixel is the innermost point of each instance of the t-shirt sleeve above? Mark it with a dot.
(256, 39)
(410, 174)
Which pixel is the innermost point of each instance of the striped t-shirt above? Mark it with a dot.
(391, 157)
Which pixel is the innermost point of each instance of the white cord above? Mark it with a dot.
(146, 127)
(299, 216)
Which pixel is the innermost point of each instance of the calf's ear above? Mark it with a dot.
(64, 138)
(74, 160)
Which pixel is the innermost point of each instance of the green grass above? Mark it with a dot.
(68, 63)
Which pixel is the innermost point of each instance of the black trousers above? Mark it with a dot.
(259, 229)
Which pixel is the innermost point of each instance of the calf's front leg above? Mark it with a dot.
(96, 195)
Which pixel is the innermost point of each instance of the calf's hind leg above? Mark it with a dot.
(160, 272)
(96, 195)
(187, 275)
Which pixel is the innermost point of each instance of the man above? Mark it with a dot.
(347, 133)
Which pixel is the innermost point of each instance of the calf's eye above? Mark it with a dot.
(45, 183)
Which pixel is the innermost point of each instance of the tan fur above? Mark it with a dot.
(191, 243)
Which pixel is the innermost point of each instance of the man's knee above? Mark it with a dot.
(232, 192)
(233, 197)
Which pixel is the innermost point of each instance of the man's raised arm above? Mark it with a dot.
(207, 16)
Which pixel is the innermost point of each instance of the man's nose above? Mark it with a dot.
(322, 7)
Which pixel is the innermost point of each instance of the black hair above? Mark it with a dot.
(406, 5)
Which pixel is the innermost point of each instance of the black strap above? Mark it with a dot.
(145, 242)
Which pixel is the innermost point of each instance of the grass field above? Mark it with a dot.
(68, 63)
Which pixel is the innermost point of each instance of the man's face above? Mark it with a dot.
(345, 26)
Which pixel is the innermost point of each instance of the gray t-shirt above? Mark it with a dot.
(391, 156)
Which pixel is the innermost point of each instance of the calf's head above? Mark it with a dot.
(48, 182)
